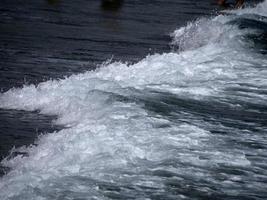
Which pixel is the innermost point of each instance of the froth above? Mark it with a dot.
(119, 127)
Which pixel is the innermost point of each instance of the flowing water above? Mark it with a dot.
(190, 123)
(49, 39)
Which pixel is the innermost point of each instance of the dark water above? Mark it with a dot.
(42, 40)
(187, 122)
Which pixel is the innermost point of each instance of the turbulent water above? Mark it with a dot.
(189, 124)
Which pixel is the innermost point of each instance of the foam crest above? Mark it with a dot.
(197, 34)
(126, 123)
(260, 9)
(216, 31)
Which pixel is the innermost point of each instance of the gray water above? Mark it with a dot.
(42, 40)
(150, 100)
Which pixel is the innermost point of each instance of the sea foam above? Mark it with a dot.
(123, 124)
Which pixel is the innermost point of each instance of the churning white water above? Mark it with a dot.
(189, 124)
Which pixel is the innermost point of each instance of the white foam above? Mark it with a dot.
(260, 9)
(110, 130)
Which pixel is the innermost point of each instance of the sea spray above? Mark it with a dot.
(185, 124)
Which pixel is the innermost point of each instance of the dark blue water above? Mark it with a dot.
(43, 40)
(132, 100)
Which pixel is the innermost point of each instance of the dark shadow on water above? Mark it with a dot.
(111, 5)
(259, 38)
(111, 15)
(171, 106)
(53, 2)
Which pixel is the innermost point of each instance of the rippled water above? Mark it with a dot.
(50, 39)
(185, 124)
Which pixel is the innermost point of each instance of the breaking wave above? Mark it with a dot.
(186, 124)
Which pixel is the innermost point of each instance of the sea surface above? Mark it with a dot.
(162, 99)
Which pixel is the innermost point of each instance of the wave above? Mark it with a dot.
(259, 9)
(134, 131)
